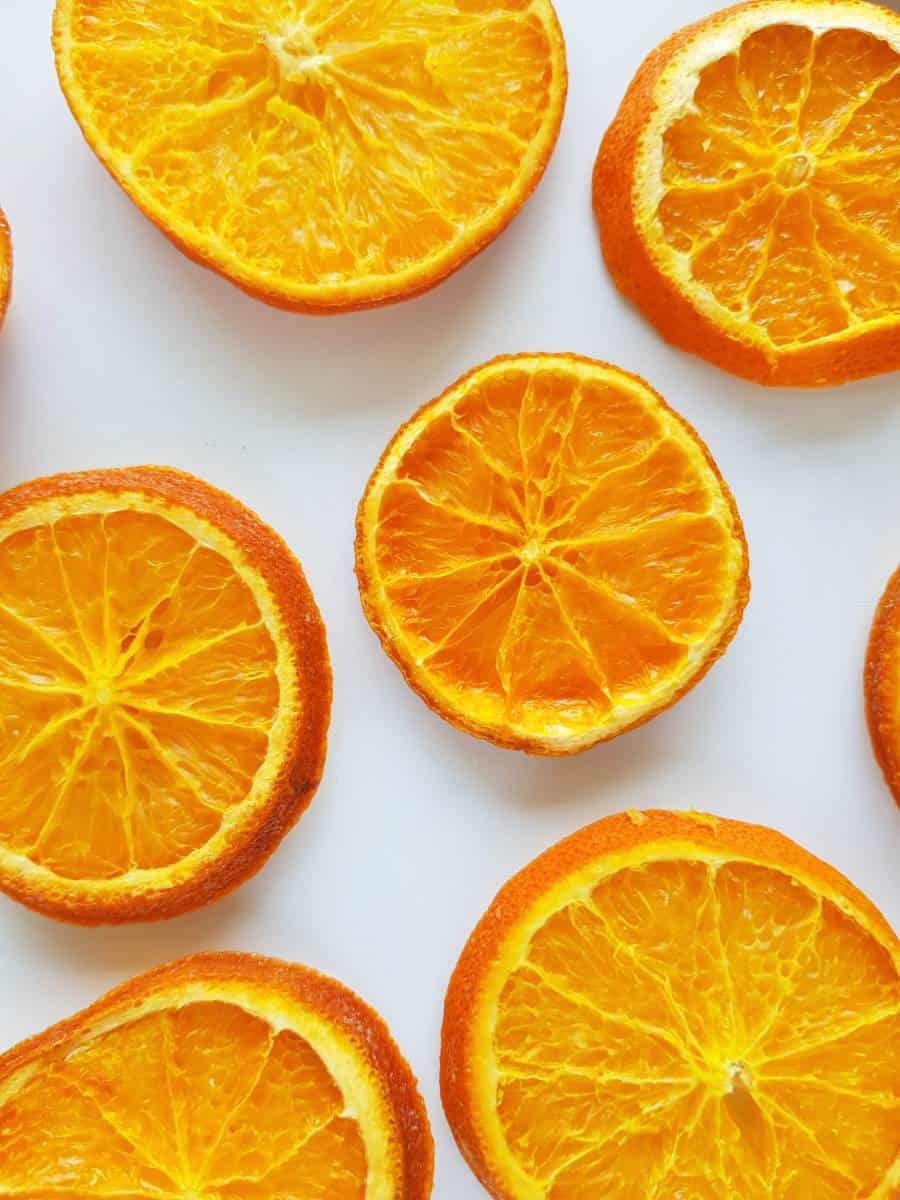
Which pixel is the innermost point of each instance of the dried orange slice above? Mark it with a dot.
(322, 154)
(223, 1075)
(5, 265)
(883, 684)
(550, 554)
(748, 191)
(164, 694)
(674, 1007)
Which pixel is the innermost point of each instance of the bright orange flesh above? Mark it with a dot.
(143, 695)
(770, 202)
(209, 1085)
(684, 1018)
(549, 554)
(882, 684)
(323, 154)
(5, 265)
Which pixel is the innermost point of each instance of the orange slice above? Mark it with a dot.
(674, 1007)
(164, 694)
(748, 191)
(223, 1075)
(549, 553)
(883, 684)
(322, 154)
(5, 265)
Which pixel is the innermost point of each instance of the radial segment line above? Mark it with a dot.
(712, 872)
(458, 510)
(153, 742)
(765, 259)
(596, 668)
(37, 632)
(552, 472)
(862, 231)
(686, 1131)
(44, 734)
(449, 572)
(277, 1163)
(742, 209)
(827, 267)
(787, 990)
(140, 1150)
(150, 706)
(605, 589)
(836, 1033)
(692, 1046)
(768, 1106)
(841, 126)
(254, 1079)
(168, 1039)
(141, 624)
(354, 79)
(621, 1020)
(600, 479)
(495, 465)
(68, 779)
(877, 1099)
(130, 788)
(637, 1124)
(73, 607)
(193, 648)
(485, 598)
(196, 112)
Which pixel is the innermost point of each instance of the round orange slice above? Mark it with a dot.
(882, 684)
(5, 265)
(321, 154)
(223, 1075)
(669, 1006)
(164, 694)
(748, 191)
(549, 553)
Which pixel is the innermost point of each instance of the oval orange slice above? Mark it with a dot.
(164, 694)
(883, 684)
(327, 154)
(666, 1006)
(223, 1075)
(550, 554)
(748, 191)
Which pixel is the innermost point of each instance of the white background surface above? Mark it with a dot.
(118, 350)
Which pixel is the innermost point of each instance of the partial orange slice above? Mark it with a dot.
(222, 1076)
(322, 154)
(164, 694)
(748, 191)
(5, 265)
(674, 1007)
(883, 684)
(549, 553)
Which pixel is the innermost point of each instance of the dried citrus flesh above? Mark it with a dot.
(5, 265)
(549, 553)
(223, 1077)
(667, 1006)
(164, 693)
(323, 154)
(762, 153)
(883, 684)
